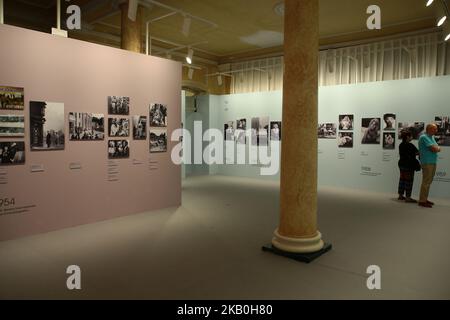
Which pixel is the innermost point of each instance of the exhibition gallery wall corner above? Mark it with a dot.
(84, 132)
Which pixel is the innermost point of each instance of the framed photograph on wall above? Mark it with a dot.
(158, 140)
(229, 131)
(12, 98)
(86, 126)
(443, 134)
(119, 127)
(275, 130)
(370, 130)
(139, 128)
(389, 122)
(118, 105)
(345, 140)
(12, 153)
(346, 122)
(241, 129)
(416, 128)
(12, 126)
(389, 140)
(158, 115)
(47, 129)
(118, 149)
(327, 131)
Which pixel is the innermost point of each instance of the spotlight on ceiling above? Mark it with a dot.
(132, 9)
(447, 37)
(190, 55)
(441, 21)
(429, 2)
(190, 73)
(186, 26)
(219, 80)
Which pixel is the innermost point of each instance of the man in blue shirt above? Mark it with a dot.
(429, 150)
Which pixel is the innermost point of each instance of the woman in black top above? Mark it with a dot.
(408, 164)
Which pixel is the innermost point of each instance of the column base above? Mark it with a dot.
(302, 257)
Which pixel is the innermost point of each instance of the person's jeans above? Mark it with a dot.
(428, 172)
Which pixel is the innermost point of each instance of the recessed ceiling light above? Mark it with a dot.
(429, 2)
(441, 22)
(279, 9)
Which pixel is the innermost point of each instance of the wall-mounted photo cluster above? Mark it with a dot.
(158, 128)
(262, 130)
(47, 126)
(346, 126)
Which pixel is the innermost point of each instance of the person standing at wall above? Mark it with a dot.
(407, 164)
(429, 150)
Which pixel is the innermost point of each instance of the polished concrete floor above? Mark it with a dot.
(210, 248)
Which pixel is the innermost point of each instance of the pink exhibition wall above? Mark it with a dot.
(82, 76)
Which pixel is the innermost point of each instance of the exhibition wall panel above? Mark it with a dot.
(86, 181)
(371, 166)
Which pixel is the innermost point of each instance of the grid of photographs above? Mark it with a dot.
(47, 126)
(346, 135)
(86, 126)
(12, 98)
(158, 121)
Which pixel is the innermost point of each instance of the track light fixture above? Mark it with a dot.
(429, 2)
(447, 37)
(186, 26)
(190, 55)
(441, 21)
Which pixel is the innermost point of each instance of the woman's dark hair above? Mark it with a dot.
(405, 135)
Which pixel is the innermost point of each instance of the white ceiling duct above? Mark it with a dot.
(132, 9)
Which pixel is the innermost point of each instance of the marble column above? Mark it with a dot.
(131, 36)
(297, 232)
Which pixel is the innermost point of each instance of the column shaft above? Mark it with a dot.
(131, 36)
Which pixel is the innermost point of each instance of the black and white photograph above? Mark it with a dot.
(158, 140)
(275, 130)
(119, 105)
(241, 128)
(327, 131)
(370, 130)
(11, 98)
(443, 134)
(229, 131)
(119, 127)
(389, 122)
(118, 149)
(12, 153)
(158, 115)
(345, 140)
(416, 128)
(389, 140)
(47, 126)
(12, 126)
(139, 128)
(86, 126)
(260, 131)
(346, 122)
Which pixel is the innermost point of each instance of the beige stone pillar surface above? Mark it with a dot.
(131, 35)
(298, 222)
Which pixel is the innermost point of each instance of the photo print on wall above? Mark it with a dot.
(389, 122)
(241, 127)
(275, 130)
(12, 126)
(443, 134)
(416, 128)
(139, 128)
(119, 127)
(158, 115)
(370, 130)
(327, 131)
(86, 126)
(260, 131)
(346, 122)
(47, 126)
(158, 140)
(119, 105)
(389, 140)
(118, 149)
(229, 131)
(12, 153)
(345, 140)
(11, 98)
